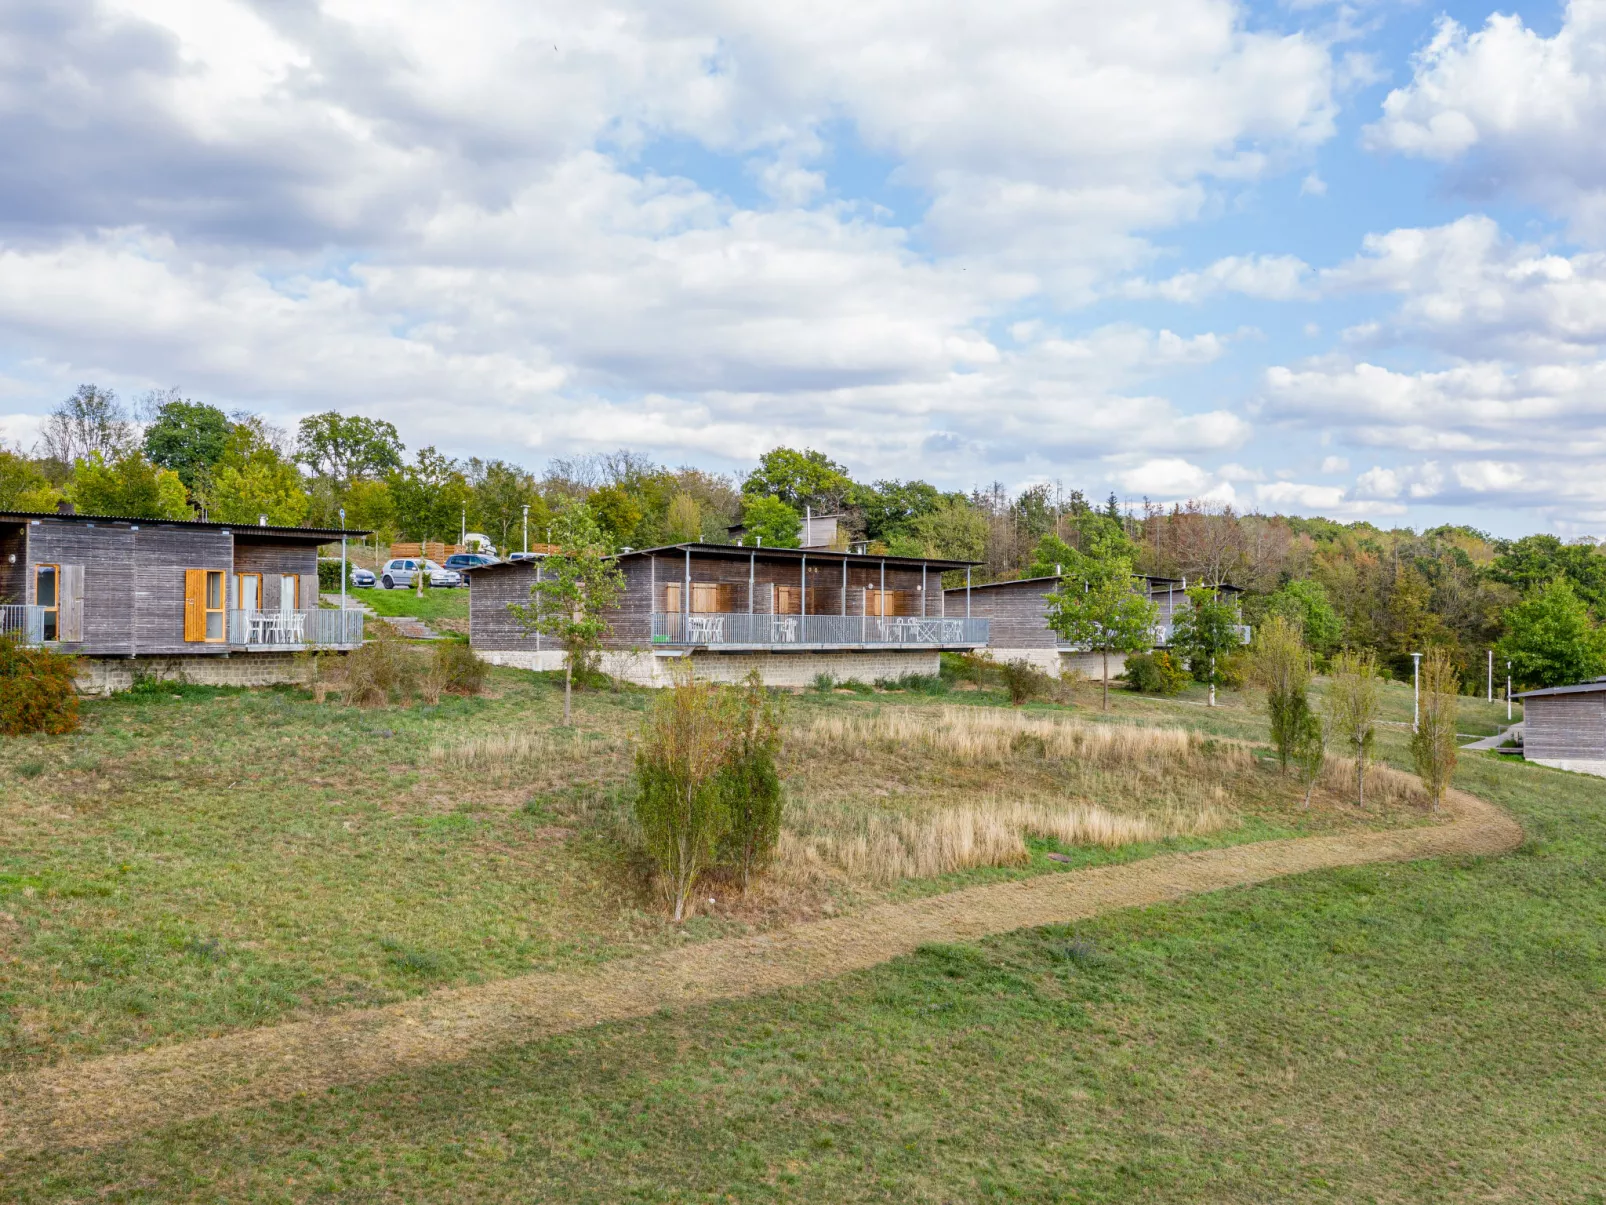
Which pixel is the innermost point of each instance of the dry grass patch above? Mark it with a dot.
(951, 788)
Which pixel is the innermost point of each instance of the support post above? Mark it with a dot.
(1416, 691)
(967, 593)
(752, 559)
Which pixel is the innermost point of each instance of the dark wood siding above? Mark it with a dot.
(1017, 613)
(161, 555)
(1565, 726)
(491, 625)
(13, 563)
(106, 551)
(273, 560)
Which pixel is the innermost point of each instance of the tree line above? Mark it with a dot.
(1536, 601)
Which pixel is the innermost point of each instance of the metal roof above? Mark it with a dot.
(740, 551)
(1148, 577)
(1582, 688)
(325, 533)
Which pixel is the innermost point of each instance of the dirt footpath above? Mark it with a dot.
(103, 1100)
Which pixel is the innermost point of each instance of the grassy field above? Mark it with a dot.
(434, 604)
(1409, 1032)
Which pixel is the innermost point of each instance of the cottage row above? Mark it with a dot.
(229, 602)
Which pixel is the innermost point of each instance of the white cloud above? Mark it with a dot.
(1273, 277)
(1166, 477)
(1313, 186)
(1335, 464)
(1468, 290)
(1523, 113)
(471, 219)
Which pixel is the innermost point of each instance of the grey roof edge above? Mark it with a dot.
(1580, 688)
(328, 533)
(737, 550)
(1022, 581)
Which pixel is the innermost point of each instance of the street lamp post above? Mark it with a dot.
(1508, 692)
(343, 573)
(1416, 691)
(526, 529)
(1491, 675)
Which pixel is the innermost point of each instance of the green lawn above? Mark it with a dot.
(1422, 1032)
(436, 603)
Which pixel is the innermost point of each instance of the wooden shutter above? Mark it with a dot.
(70, 619)
(195, 604)
(672, 598)
(712, 598)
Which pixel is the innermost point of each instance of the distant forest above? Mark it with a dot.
(1536, 600)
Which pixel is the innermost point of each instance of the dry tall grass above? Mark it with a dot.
(992, 736)
(508, 754)
(881, 847)
(1386, 788)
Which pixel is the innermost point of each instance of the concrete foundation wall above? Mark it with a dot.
(1576, 764)
(1054, 662)
(103, 675)
(777, 669)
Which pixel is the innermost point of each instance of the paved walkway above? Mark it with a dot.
(103, 1100)
(1513, 733)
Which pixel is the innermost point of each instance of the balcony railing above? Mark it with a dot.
(281, 631)
(26, 625)
(1163, 633)
(728, 630)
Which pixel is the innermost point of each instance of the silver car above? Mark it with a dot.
(398, 574)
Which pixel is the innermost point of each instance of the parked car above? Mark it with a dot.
(462, 562)
(398, 574)
(361, 576)
(524, 558)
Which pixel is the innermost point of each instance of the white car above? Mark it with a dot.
(398, 574)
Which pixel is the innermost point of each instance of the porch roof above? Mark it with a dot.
(322, 534)
(770, 555)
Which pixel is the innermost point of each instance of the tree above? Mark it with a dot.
(91, 420)
(684, 522)
(129, 487)
(572, 590)
(1353, 694)
(189, 438)
(772, 522)
(752, 782)
(253, 478)
(889, 508)
(23, 484)
(1205, 632)
(1550, 639)
(1433, 746)
(1534, 561)
(1309, 751)
(1305, 603)
(799, 479)
(955, 531)
(428, 497)
(1280, 663)
(618, 513)
(348, 448)
(498, 494)
(1101, 609)
(681, 799)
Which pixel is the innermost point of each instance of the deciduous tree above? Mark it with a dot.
(1433, 744)
(1101, 608)
(1354, 692)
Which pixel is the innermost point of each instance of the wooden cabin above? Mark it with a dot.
(167, 597)
(1018, 612)
(1565, 727)
(793, 614)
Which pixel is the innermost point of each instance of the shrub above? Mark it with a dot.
(328, 576)
(36, 690)
(752, 783)
(1156, 673)
(462, 672)
(857, 687)
(921, 684)
(824, 683)
(383, 669)
(1026, 682)
(1234, 670)
(976, 668)
(681, 797)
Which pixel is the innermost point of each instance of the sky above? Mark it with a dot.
(1309, 258)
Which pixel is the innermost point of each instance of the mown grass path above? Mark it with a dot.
(104, 1100)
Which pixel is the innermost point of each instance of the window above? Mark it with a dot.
(203, 606)
(47, 596)
(248, 591)
(289, 592)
